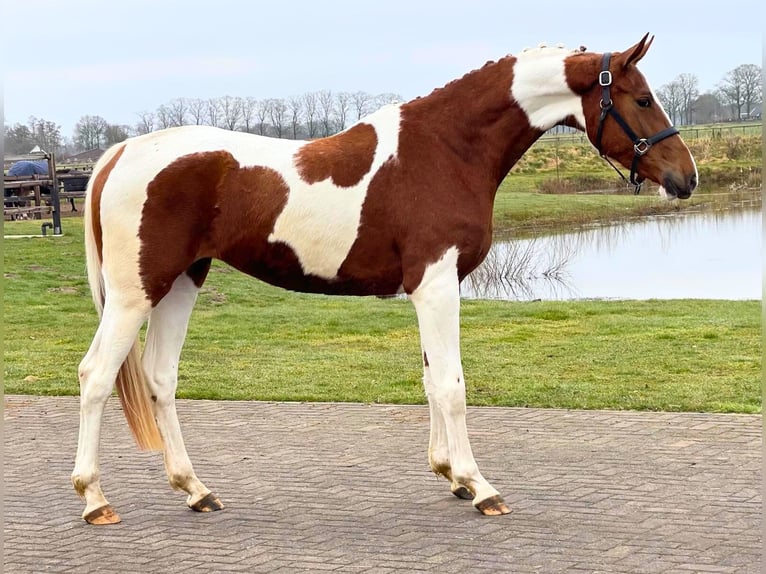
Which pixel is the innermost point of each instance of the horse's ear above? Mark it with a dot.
(633, 54)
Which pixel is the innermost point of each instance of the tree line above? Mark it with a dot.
(322, 113)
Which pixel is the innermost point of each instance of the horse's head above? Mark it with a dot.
(626, 122)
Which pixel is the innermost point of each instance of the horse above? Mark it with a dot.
(399, 203)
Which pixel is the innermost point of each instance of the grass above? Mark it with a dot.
(248, 340)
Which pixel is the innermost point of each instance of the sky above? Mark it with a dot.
(67, 58)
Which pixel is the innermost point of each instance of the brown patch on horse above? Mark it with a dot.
(345, 157)
(95, 198)
(205, 205)
(454, 150)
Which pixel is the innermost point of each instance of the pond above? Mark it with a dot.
(707, 255)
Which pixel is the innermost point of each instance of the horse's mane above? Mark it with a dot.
(542, 48)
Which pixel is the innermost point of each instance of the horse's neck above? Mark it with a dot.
(493, 115)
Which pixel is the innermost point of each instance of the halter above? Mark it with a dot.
(640, 145)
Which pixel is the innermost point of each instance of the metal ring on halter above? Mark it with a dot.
(607, 105)
(641, 146)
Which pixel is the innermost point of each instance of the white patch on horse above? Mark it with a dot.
(541, 90)
(320, 221)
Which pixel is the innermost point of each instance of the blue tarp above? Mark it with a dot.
(28, 167)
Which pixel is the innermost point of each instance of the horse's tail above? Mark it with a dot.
(131, 380)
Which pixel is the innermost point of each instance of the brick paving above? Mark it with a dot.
(346, 488)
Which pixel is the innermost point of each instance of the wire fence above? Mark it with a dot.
(710, 131)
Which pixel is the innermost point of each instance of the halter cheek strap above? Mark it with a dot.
(640, 145)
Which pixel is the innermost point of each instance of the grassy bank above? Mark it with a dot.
(251, 341)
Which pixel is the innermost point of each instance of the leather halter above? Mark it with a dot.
(640, 145)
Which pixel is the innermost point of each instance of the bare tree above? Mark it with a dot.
(742, 89)
(231, 111)
(387, 98)
(294, 113)
(310, 113)
(145, 123)
(177, 110)
(342, 104)
(326, 109)
(89, 132)
(249, 107)
(671, 98)
(278, 115)
(213, 112)
(45, 133)
(164, 117)
(262, 112)
(197, 108)
(361, 102)
(689, 88)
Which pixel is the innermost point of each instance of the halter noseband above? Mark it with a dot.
(640, 145)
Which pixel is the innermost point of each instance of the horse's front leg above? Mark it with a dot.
(438, 446)
(437, 303)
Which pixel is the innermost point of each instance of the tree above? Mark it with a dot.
(231, 111)
(342, 104)
(115, 134)
(213, 112)
(708, 109)
(361, 102)
(310, 113)
(326, 109)
(177, 110)
(197, 109)
(262, 112)
(742, 89)
(164, 117)
(671, 98)
(45, 134)
(145, 123)
(18, 139)
(89, 132)
(278, 115)
(294, 112)
(689, 91)
(249, 106)
(387, 98)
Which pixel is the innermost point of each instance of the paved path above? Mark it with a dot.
(346, 488)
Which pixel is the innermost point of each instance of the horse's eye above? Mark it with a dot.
(644, 102)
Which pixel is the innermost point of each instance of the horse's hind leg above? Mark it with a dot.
(113, 341)
(164, 338)
(437, 303)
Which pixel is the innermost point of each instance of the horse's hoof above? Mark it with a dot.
(208, 503)
(463, 492)
(493, 506)
(102, 515)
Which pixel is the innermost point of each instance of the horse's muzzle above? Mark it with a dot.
(681, 189)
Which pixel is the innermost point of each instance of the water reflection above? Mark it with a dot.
(715, 255)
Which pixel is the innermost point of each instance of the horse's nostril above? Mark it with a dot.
(693, 182)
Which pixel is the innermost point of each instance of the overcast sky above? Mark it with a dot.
(67, 58)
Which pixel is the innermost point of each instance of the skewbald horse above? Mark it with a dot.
(400, 202)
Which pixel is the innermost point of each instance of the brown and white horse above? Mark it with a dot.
(401, 202)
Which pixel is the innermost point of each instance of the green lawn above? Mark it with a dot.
(248, 340)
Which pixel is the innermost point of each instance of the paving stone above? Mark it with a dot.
(331, 487)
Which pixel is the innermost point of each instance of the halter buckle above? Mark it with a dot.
(641, 146)
(605, 78)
